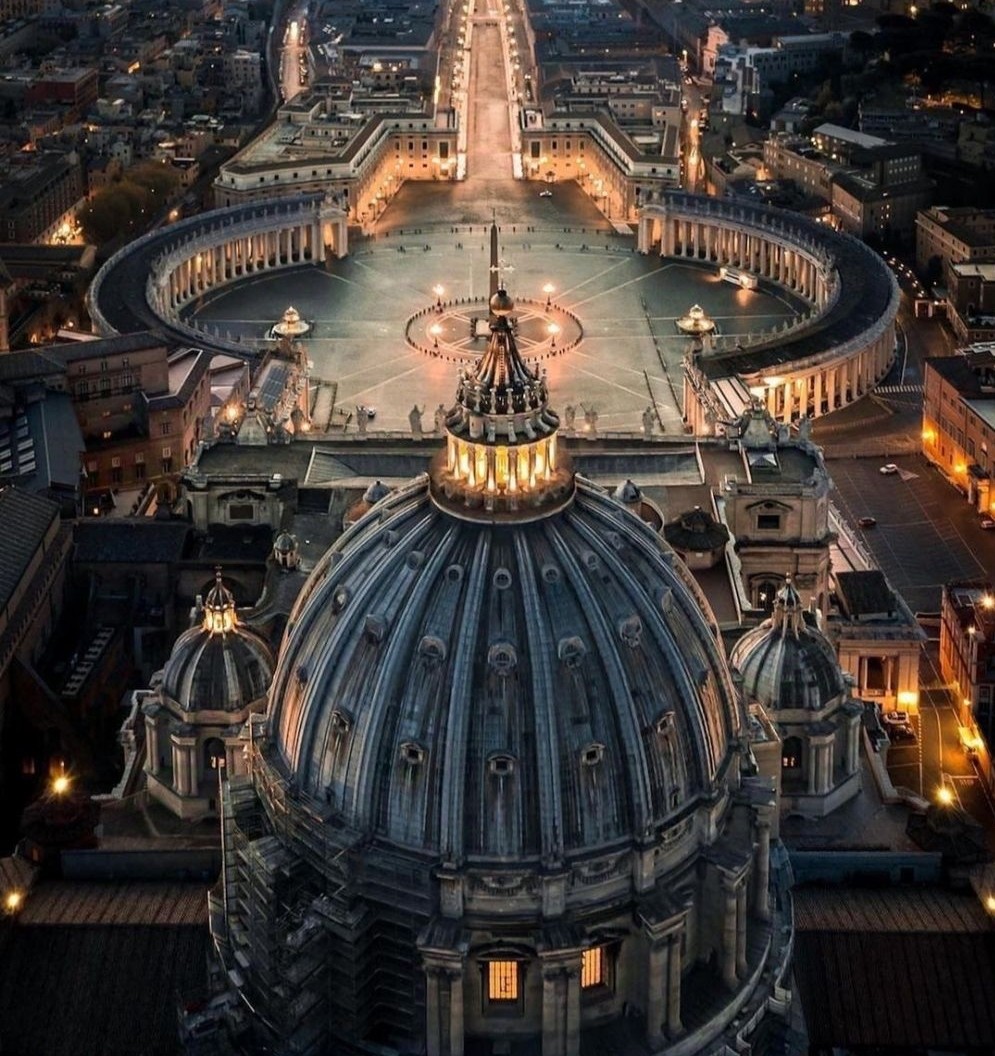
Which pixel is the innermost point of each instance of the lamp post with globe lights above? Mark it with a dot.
(549, 289)
(438, 290)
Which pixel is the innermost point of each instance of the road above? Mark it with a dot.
(294, 51)
(488, 152)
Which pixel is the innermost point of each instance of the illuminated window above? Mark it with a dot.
(592, 968)
(502, 981)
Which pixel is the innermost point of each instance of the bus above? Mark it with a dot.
(738, 277)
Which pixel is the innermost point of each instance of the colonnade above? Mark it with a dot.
(721, 241)
(792, 253)
(203, 264)
(814, 390)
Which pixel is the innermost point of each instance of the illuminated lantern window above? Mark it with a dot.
(592, 968)
(502, 981)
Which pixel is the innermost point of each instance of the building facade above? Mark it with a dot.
(958, 421)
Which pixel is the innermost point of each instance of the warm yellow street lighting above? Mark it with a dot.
(944, 796)
(435, 330)
(438, 289)
(12, 903)
(549, 289)
(60, 785)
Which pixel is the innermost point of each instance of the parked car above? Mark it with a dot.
(370, 412)
(986, 522)
(898, 725)
(889, 469)
(546, 194)
(866, 522)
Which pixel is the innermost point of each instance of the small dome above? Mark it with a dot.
(375, 492)
(786, 663)
(285, 543)
(696, 530)
(218, 665)
(628, 493)
(501, 303)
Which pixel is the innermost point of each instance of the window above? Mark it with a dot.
(502, 981)
(166, 428)
(769, 522)
(592, 968)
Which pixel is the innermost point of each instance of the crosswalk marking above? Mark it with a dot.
(889, 389)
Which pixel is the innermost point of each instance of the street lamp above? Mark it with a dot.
(438, 290)
(944, 796)
(435, 330)
(548, 289)
(60, 785)
(553, 331)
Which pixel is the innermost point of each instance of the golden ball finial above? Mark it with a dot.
(501, 304)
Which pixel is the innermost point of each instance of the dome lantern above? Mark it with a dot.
(502, 457)
(219, 608)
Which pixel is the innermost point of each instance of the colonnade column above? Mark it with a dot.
(674, 970)
(443, 1004)
(851, 757)
(664, 967)
(655, 1011)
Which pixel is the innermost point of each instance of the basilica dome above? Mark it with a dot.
(505, 791)
(787, 663)
(469, 689)
(486, 670)
(218, 664)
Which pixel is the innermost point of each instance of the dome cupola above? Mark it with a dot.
(218, 664)
(502, 456)
(786, 662)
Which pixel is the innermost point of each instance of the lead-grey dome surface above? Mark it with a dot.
(218, 664)
(785, 662)
(474, 689)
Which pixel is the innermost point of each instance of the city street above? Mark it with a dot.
(926, 533)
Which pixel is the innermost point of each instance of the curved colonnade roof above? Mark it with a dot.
(868, 291)
(121, 294)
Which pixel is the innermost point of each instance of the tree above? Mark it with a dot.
(158, 179)
(863, 43)
(119, 209)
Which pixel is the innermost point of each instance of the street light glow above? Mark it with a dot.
(60, 785)
(13, 901)
(944, 796)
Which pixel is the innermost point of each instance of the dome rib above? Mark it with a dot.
(383, 693)
(676, 661)
(328, 659)
(552, 837)
(637, 785)
(458, 717)
(631, 530)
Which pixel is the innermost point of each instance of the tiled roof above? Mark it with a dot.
(24, 520)
(67, 988)
(865, 592)
(135, 902)
(895, 970)
(130, 541)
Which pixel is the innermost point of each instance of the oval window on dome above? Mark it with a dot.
(502, 578)
(412, 754)
(593, 754)
(501, 764)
